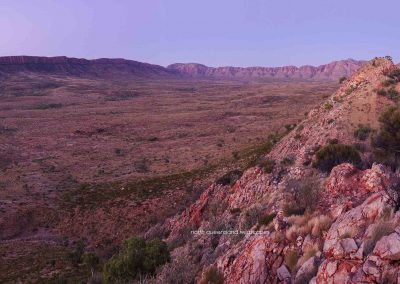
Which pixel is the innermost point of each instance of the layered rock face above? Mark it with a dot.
(331, 71)
(352, 234)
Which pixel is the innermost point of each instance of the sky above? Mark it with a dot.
(211, 32)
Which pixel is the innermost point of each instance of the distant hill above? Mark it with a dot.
(61, 65)
(331, 71)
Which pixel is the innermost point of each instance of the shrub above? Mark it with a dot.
(386, 142)
(291, 209)
(91, 260)
(287, 162)
(362, 132)
(137, 257)
(394, 74)
(267, 165)
(229, 178)
(212, 276)
(290, 127)
(328, 106)
(342, 79)
(266, 219)
(392, 94)
(76, 255)
(305, 193)
(381, 92)
(389, 82)
(291, 258)
(380, 230)
(334, 154)
(319, 224)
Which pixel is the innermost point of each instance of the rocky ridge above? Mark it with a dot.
(103, 67)
(353, 234)
(331, 71)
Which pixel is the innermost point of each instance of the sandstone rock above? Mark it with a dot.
(370, 268)
(355, 219)
(283, 273)
(307, 270)
(388, 247)
(331, 268)
(349, 245)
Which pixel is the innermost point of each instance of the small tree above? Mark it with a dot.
(137, 257)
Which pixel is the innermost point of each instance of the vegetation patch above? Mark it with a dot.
(386, 142)
(212, 276)
(266, 219)
(230, 178)
(332, 155)
(362, 132)
(137, 258)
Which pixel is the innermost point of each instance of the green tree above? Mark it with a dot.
(137, 257)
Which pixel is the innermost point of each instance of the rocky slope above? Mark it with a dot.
(331, 71)
(352, 234)
(61, 65)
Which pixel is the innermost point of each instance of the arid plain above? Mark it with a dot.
(77, 153)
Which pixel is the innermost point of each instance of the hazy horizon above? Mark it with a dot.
(223, 33)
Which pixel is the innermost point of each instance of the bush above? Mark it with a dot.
(287, 162)
(392, 94)
(91, 260)
(137, 257)
(386, 143)
(292, 209)
(328, 106)
(334, 154)
(381, 92)
(389, 82)
(305, 192)
(379, 231)
(394, 74)
(266, 219)
(291, 258)
(342, 79)
(229, 178)
(267, 165)
(212, 276)
(362, 132)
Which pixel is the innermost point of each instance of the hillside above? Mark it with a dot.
(314, 224)
(331, 71)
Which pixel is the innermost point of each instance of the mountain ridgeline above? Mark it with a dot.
(122, 68)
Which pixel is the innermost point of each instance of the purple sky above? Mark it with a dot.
(212, 32)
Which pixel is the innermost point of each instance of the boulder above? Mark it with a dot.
(283, 273)
(307, 271)
(349, 245)
(388, 247)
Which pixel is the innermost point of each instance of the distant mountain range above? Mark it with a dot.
(331, 71)
(122, 68)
